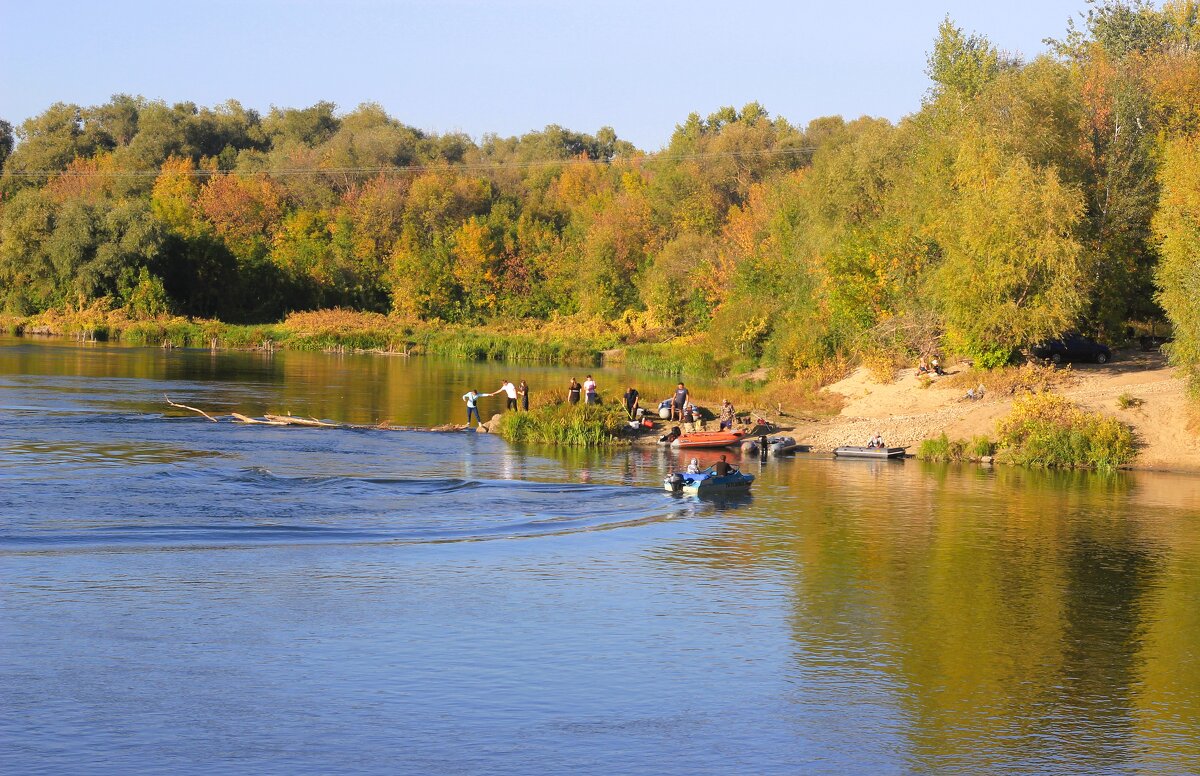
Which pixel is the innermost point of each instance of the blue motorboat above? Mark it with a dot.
(707, 482)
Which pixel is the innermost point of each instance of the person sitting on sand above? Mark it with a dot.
(923, 366)
(694, 466)
(936, 366)
(875, 441)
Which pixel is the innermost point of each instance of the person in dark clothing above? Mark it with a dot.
(632, 398)
(523, 395)
(678, 402)
(573, 391)
(721, 467)
(671, 437)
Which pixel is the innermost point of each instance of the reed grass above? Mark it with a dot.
(566, 424)
(943, 449)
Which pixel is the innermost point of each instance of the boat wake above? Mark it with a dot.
(255, 507)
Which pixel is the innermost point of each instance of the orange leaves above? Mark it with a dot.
(87, 179)
(244, 211)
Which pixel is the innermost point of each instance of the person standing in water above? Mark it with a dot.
(573, 391)
(471, 397)
(509, 390)
(523, 392)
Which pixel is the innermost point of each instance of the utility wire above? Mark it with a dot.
(414, 168)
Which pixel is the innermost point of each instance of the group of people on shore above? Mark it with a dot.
(514, 395)
(682, 409)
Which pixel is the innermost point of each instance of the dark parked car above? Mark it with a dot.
(1073, 347)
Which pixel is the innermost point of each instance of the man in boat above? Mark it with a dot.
(678, 402)
(511, 391)
(875, 441)
(721, 467)
(632, 400)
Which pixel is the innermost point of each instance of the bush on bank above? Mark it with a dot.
(1047, 430)
(577, 425)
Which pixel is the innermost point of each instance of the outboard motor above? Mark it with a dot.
(675, 481)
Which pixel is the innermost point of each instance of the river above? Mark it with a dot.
(188, 597)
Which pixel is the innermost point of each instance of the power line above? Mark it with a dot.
(415, 168)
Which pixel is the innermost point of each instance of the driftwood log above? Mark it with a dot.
(292, 420)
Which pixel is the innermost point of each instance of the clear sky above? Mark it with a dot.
(501, 66)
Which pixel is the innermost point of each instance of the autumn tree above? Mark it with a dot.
(1177, 225)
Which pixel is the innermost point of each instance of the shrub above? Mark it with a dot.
(982, 447)
(936, 449)
(1047, 430)
(942, 449)
(577, 425)
(1127, 401)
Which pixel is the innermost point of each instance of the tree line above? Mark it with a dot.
(1022, 199)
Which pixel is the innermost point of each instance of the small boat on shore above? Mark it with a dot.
(708, 439)
(707, 482)
(852, 451)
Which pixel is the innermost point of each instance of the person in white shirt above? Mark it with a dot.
(589, 391)
(509, 390)
(694, 466)
(875, 441)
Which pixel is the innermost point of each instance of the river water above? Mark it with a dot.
(183, 596)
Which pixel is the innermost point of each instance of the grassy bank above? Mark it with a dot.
(565, 424)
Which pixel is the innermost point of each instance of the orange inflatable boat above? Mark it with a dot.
(708, 439)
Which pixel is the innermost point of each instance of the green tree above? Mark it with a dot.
(1012, 270)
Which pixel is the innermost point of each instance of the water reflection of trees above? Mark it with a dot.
(1017, 619)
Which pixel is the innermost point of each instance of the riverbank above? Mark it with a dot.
(332, 331)
(1137, 388)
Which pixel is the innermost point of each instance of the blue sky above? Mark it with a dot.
(503, 67)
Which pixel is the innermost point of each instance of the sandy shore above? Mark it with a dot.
(905, 413)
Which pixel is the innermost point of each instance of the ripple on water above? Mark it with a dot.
(253, 506)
